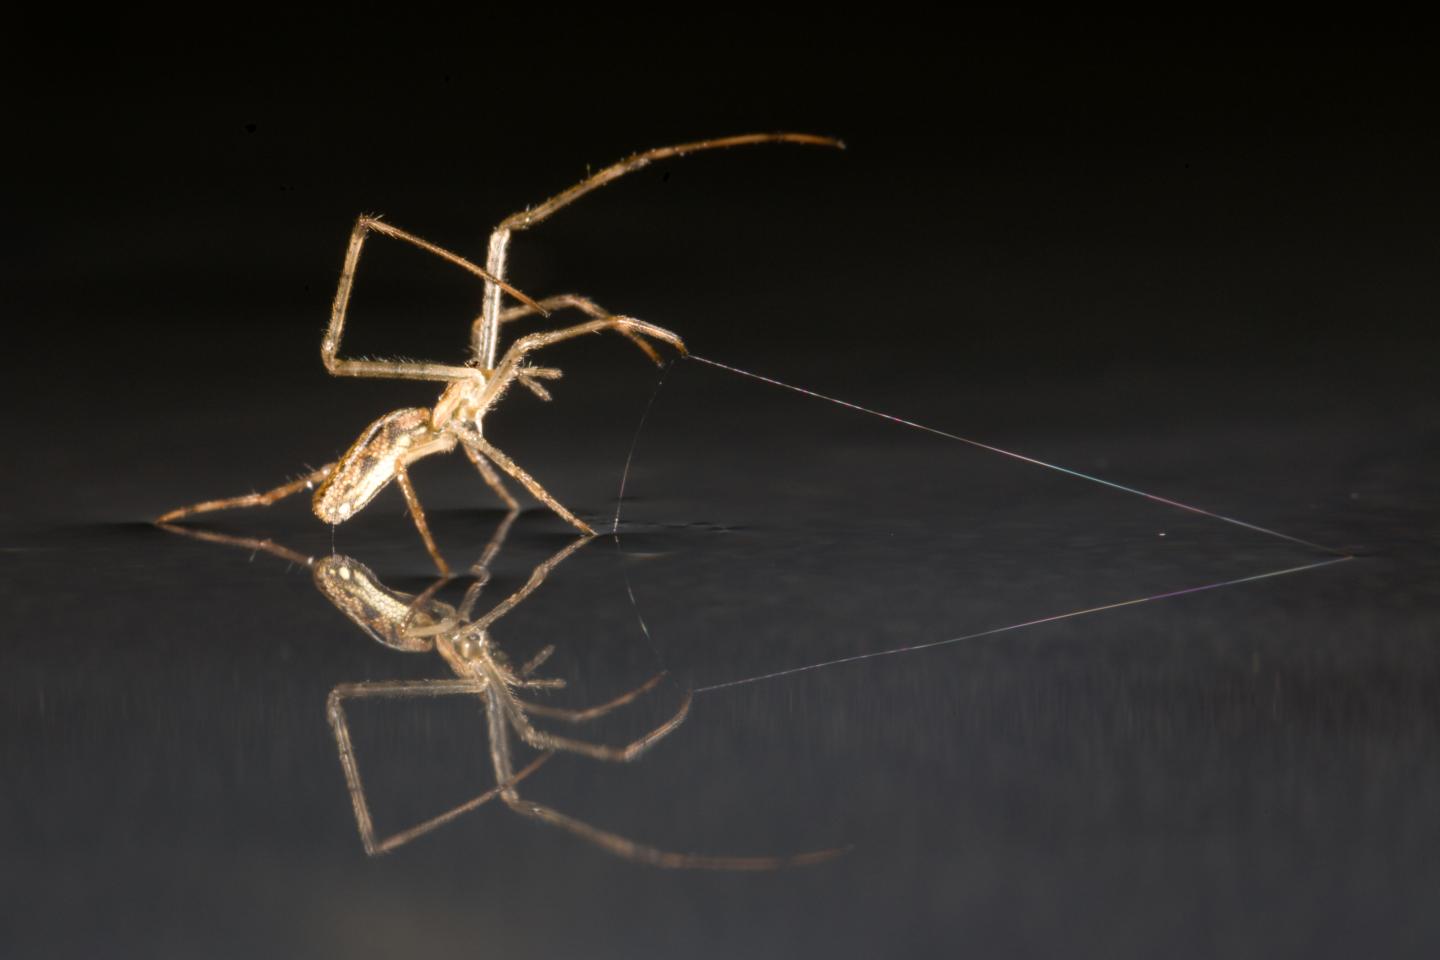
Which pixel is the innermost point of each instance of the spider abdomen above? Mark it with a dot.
(372, 461)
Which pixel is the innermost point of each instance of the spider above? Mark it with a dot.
(386, 449)
(425, 624)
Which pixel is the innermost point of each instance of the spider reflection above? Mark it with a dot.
(422, 624)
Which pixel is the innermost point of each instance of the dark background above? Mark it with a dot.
(1196, 258)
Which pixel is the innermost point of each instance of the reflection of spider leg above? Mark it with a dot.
(251, 543)
(306, 482)
(543, 740)
(403, 688)
(640, 853)
(591, 713)
(537, 577)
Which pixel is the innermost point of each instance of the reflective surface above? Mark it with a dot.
(1154, 774)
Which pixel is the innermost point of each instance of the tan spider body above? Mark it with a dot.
(388, 446)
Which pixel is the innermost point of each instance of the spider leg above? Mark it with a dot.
(481, 446)
(512, 365)
(395, 369)
(567, 301)
(264, 499)
(492, 479)
(487, 331)
(617, 322)
(417, 513)
(537, 661)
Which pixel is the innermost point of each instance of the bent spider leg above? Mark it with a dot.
(544, 740)
(264, 499)
(471, 439)
(417, 513)
(592, 713)
(653, 856)
(571, 301)
(339, 725)
(395, 369)
(486, 333)
(511, 364)
(405, 836)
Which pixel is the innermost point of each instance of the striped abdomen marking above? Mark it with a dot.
(372, 460)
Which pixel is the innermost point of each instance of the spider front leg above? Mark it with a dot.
(308, 482)
(486, 332)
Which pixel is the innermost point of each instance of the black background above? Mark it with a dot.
(1196, 257)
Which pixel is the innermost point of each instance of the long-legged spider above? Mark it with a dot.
(385, 450)
(423, 623)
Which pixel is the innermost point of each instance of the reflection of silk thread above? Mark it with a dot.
(1340, 555)
(1028, 623)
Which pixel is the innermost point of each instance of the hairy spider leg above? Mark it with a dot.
(568, 301)
(486, 332)
(307, 482)
(395, 369)
(492, 479)
(417, 513)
